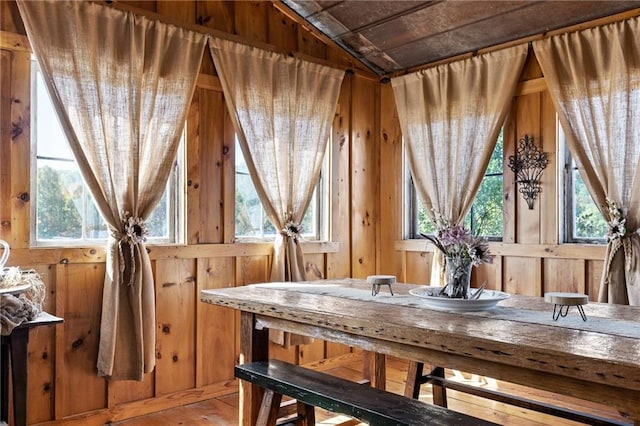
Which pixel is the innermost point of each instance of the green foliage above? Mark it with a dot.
(57, 215)
(589, 222)
(485, 217)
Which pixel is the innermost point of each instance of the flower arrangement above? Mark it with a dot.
(134, 229)
(617, 224)
(291, 229)
(462, 250)
(458, 242)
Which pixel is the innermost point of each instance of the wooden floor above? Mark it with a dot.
(224, 410)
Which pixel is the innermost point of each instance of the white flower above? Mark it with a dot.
(617, 223)
(134, 229)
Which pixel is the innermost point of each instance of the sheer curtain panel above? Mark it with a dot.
(121, 85)
(450, 116)
(282, 108)
(594, 80)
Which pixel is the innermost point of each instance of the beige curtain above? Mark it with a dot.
(282, 109)
(450, 117)
(594, 80)
(121, 85)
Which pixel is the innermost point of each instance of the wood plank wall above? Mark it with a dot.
(529, 260)
(197, 344)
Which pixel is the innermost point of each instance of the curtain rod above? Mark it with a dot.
(632, 13)
(231, 37)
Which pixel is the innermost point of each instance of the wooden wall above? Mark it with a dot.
(530, 259)
(197, 344)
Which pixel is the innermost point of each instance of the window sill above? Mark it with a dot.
(97, 253)
(556, 251)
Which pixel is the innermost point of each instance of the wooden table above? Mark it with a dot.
(517, 341)
(14, 347)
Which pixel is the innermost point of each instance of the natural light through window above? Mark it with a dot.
(64, 210)
(251, 221)
(583, 222)
(486, 215)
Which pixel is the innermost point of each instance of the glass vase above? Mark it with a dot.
(457, 277)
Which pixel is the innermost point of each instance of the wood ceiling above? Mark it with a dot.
(392, 36)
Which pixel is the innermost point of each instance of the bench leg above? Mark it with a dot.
(439, 391)
(268, 413)
(416, 378)
(307, 413)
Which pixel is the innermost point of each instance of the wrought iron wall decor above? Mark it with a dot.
(528, 164)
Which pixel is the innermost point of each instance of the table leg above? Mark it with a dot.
(18, 341)
(439, 391)
(4, 379)
(374, 369)
(254, 346)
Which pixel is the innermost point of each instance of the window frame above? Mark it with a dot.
(321, 195)
(567, 204)
(413, 203)
(174, 188)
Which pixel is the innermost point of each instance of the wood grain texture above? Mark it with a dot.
(339, 264)
(251, 20)
(564, 276)
(82, 298)
(175, 325)
(527, 123)
(364, 171)
(20, 150)
(41, 360)
(549, 198)
(509, 191)
(193, 169)
(593, 365)
(183, 10)
(229, 179)
(520, 267)
(5, 144)
(418, 267)
(283, 32)
(211, 152)
(391, 174)
(215, 327)
(11, 41)
(371, 405)
(522, 276)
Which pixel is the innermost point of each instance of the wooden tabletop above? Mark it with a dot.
(516, 341)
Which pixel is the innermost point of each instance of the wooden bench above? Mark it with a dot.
(315, 389)
(416, 378)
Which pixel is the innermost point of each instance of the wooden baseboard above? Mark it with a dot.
(148, 406)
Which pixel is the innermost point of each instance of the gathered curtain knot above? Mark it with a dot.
(617, 234)
(133, 231)
(291, 229)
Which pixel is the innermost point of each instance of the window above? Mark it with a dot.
(64, 210)
(251, 220)
(583, 222)
(485, 217)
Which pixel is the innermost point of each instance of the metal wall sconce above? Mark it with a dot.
(528, 164)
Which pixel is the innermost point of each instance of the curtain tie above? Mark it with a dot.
(133, 231)
(291, 229)
(618, 237)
